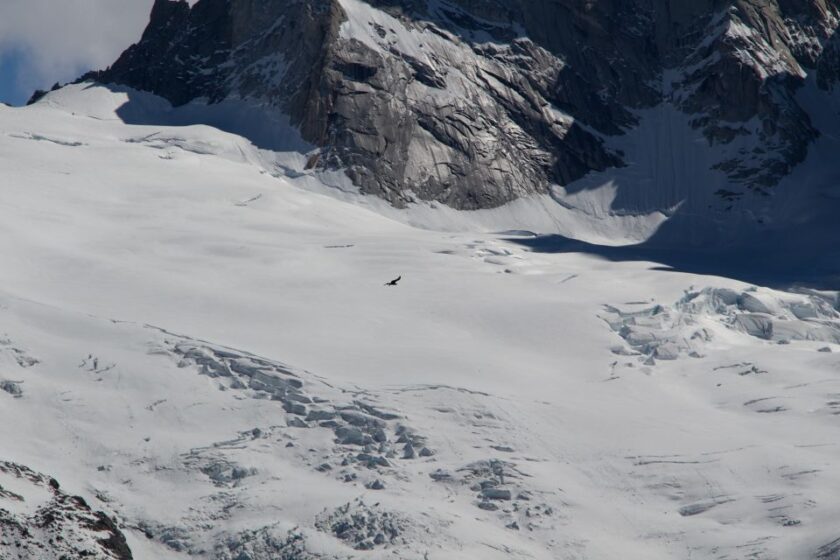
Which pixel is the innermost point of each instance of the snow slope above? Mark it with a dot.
(206, 351)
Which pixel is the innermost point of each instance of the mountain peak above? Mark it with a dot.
(476, 104)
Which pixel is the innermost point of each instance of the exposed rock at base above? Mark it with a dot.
(38, 520)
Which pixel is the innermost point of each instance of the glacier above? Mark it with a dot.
(196, 341)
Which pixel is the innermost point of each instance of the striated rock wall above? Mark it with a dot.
(475, 103)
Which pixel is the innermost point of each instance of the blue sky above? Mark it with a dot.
(19, 77)
(11, 63)
(48, 41)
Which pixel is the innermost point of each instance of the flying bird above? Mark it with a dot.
(394, 282)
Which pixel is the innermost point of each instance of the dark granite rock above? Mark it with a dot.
(492, 100)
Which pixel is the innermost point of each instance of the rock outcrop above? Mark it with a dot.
(475, 103)
(39, 520)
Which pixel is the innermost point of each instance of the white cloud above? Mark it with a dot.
(59, 39)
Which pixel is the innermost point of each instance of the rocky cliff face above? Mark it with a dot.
(474, 103)
(38, 520)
